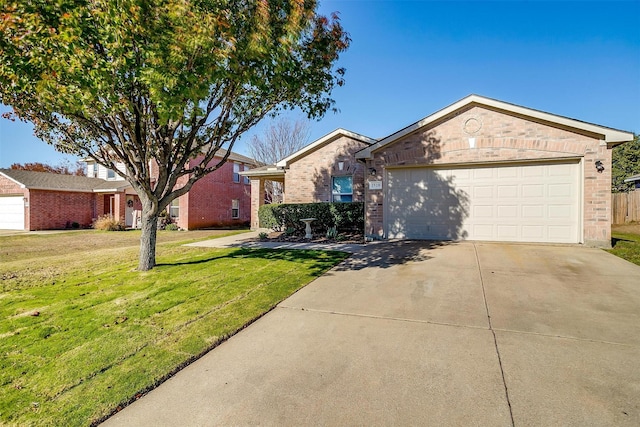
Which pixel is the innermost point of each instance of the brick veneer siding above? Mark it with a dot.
(308, 179)
(59, 209)
(502, 137)
(208, 203)
(257, 200)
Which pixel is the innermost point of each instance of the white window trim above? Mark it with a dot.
(235, 206)
(333, 195)
(236, 172)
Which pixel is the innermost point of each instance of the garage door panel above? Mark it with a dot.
(560, 190)
(483, 192)
(508, 211)
(506, 173)
(483, 211)
(561, 211)
(532, 190)
(533, 232)
(532, 172)
(533, 211)
(483, 173)
(483, 231)
(559, 233)
(507, 191)
(506, 231)
(529, 203)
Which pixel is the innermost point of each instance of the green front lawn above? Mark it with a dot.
(626, 242)
(83, 332)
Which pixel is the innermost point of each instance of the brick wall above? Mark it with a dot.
(208, 203)
(499, 137)
(59, 209)
(308, 179)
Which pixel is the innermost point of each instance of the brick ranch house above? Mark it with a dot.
(39, 201)
(479, 169)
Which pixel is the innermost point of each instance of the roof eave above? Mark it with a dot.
(323, 141)
(612, 137)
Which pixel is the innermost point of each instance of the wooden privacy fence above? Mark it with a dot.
(626, 207)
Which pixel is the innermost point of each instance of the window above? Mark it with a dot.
(235, 208)
(246, 178)
(111, 174)
(236, 172)
(342, 188)
(174, 208)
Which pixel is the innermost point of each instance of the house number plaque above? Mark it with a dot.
(375, 185)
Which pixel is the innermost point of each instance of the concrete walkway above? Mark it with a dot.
(418, 333)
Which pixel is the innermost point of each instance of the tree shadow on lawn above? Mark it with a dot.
(318, 260)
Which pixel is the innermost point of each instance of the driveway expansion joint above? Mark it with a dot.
(372, 316)
(493, 332)
(566, 337)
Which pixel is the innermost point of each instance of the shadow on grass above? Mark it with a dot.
(320, 261)
(615, 241)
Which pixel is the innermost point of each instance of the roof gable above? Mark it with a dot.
(319, 143)
(611, 136)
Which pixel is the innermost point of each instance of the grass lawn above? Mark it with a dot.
(626, 242)
(82, 332)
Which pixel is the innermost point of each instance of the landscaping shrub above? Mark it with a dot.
(342, 216)
(267, 217)
(108, 223)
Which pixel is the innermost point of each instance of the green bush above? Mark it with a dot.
(267, 217)
(343, 216)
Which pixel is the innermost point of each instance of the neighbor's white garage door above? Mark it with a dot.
(11, 213)
(518, 203)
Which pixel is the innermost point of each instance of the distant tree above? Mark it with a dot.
(158, 83)
(64, 168)
(625, 163)
(281, 139)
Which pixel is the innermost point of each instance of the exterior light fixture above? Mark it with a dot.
(599, 166)
(372, 171)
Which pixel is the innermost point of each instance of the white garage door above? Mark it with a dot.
(11, 213)
(515, 203)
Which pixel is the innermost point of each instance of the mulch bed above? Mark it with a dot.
(279, 236)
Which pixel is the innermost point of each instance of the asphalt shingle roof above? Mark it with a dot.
(53, 181)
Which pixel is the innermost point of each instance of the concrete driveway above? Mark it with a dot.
(416, 333)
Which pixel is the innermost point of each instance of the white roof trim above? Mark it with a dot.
(322, 141)
(611, 136)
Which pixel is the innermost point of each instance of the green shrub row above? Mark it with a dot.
(341, 215)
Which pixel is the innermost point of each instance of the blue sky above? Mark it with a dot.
(409, 59)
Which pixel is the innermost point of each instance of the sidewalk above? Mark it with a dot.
(247, 240)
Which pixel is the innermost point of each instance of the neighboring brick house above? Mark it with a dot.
(41, 200)
(479, 169)
(323, 171)
(38, 200)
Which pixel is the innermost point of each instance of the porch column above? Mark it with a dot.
(120, 203)
(257, 200)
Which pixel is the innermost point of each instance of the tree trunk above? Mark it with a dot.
(148, 242)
